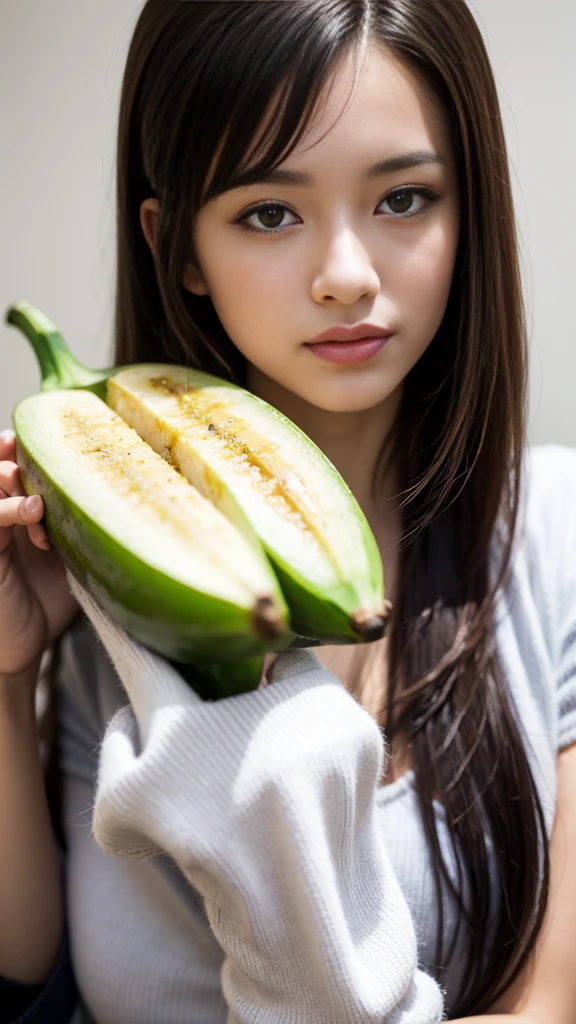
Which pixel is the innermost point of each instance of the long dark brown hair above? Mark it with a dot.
(198, 84)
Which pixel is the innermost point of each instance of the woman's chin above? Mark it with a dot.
(347, 399)
(347, 395)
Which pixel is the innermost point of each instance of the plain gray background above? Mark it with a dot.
(61, 65)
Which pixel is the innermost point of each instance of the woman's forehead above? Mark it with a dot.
(377, 111)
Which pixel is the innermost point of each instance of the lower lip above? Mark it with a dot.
(348, 351)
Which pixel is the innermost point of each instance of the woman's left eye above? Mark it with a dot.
(407, 202)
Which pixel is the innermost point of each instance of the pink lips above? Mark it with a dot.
(343, 344)
(348, 351)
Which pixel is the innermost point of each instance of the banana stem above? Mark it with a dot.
(58, 367)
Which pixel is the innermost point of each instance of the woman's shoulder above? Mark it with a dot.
(544, 548)
(547, 520)
(546, 539)
(550, 490)
(539, 624)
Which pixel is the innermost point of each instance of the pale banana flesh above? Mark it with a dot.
(252, 463)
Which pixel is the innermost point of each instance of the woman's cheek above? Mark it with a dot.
(255, 302)
(250, 321)
(427, 277)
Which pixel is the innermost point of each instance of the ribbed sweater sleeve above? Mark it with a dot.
(266, 802)
(551, 527)
(566, 673)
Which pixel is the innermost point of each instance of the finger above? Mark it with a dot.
(10, 480)
(8, 445)
(21, 511)
(30, 512)
(24, 512)
(39, 537)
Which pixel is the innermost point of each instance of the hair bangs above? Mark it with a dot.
(272, 102)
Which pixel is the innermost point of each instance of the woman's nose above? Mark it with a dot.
(346, 272)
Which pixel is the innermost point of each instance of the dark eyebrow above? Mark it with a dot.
(278, 176)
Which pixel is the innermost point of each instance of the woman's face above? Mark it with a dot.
(285, 261)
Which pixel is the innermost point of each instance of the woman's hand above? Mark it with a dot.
(35, 602)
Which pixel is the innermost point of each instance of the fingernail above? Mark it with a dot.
(33, 504)
(7, 435)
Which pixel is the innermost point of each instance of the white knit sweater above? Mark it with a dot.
(266, 801)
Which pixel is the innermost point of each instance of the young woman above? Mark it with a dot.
(382, 833)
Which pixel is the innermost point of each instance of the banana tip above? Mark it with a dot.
(370, 626)
(267, 618)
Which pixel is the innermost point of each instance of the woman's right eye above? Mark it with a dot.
(270, 216)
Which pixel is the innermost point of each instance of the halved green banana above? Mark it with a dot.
(254, 463)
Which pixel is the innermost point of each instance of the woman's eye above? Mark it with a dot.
(408, 202)
(269, 217)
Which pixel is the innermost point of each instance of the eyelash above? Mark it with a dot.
(416, 190)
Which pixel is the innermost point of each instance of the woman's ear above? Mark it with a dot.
(149, 212)
(149, 220)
